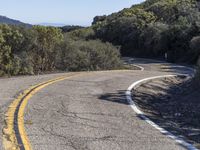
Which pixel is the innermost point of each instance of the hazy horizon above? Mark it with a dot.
(75, 12)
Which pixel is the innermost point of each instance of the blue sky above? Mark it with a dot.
(67, 12)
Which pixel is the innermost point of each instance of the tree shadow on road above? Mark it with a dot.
(175, 108)
(118, 97)
(167, 107)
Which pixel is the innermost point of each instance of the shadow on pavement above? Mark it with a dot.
(174, 108)
(118, 97)
(173, 105)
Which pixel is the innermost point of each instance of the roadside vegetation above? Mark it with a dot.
(153, 28)
(172, 103)
(46, 49)
(149, 29)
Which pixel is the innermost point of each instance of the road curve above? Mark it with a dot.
(85, 111)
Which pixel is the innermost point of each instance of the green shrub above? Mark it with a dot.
(45, 49)
(41, 49)
(80, 34)
(6, 58)
(89, 55)
(152, 28)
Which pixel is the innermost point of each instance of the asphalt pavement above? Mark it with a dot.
(87, 111)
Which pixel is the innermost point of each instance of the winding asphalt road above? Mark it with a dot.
(87, 111)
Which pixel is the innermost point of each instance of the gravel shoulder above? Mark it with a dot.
(172, 103)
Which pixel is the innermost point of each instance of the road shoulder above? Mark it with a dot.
(173, 104)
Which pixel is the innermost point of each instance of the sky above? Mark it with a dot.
(68, 12)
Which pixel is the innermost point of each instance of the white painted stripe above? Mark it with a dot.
(141, 68)
(141, 114)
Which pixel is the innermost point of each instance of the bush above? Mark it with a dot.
(88, 55)
(152, 28)
(6, 57)
(42, 49)
(45, 48)
(80, 34)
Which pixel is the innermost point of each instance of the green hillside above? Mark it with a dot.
(149, 29)
(5, 20)
(154, 27)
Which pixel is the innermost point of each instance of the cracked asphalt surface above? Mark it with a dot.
(87, 112)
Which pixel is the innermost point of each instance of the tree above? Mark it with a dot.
(152, 28)
(5, 57)
(44, 52)
(151, 40)
(88, 55)
(9, 42)
(98, 19)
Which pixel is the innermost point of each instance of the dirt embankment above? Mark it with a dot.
(174, 104)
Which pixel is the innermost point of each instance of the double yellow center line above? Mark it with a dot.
(14, 134)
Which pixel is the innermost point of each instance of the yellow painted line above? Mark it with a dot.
(10, 141)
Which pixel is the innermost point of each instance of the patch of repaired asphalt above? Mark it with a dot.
(173, 104)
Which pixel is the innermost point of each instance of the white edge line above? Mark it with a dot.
(141, 114)
(141, 68)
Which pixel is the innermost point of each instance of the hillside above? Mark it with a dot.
(153, 28)
(150, 29)
(6, 20)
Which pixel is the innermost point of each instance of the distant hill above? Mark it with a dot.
(52, 24)
(7, 20)
(70, 28)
